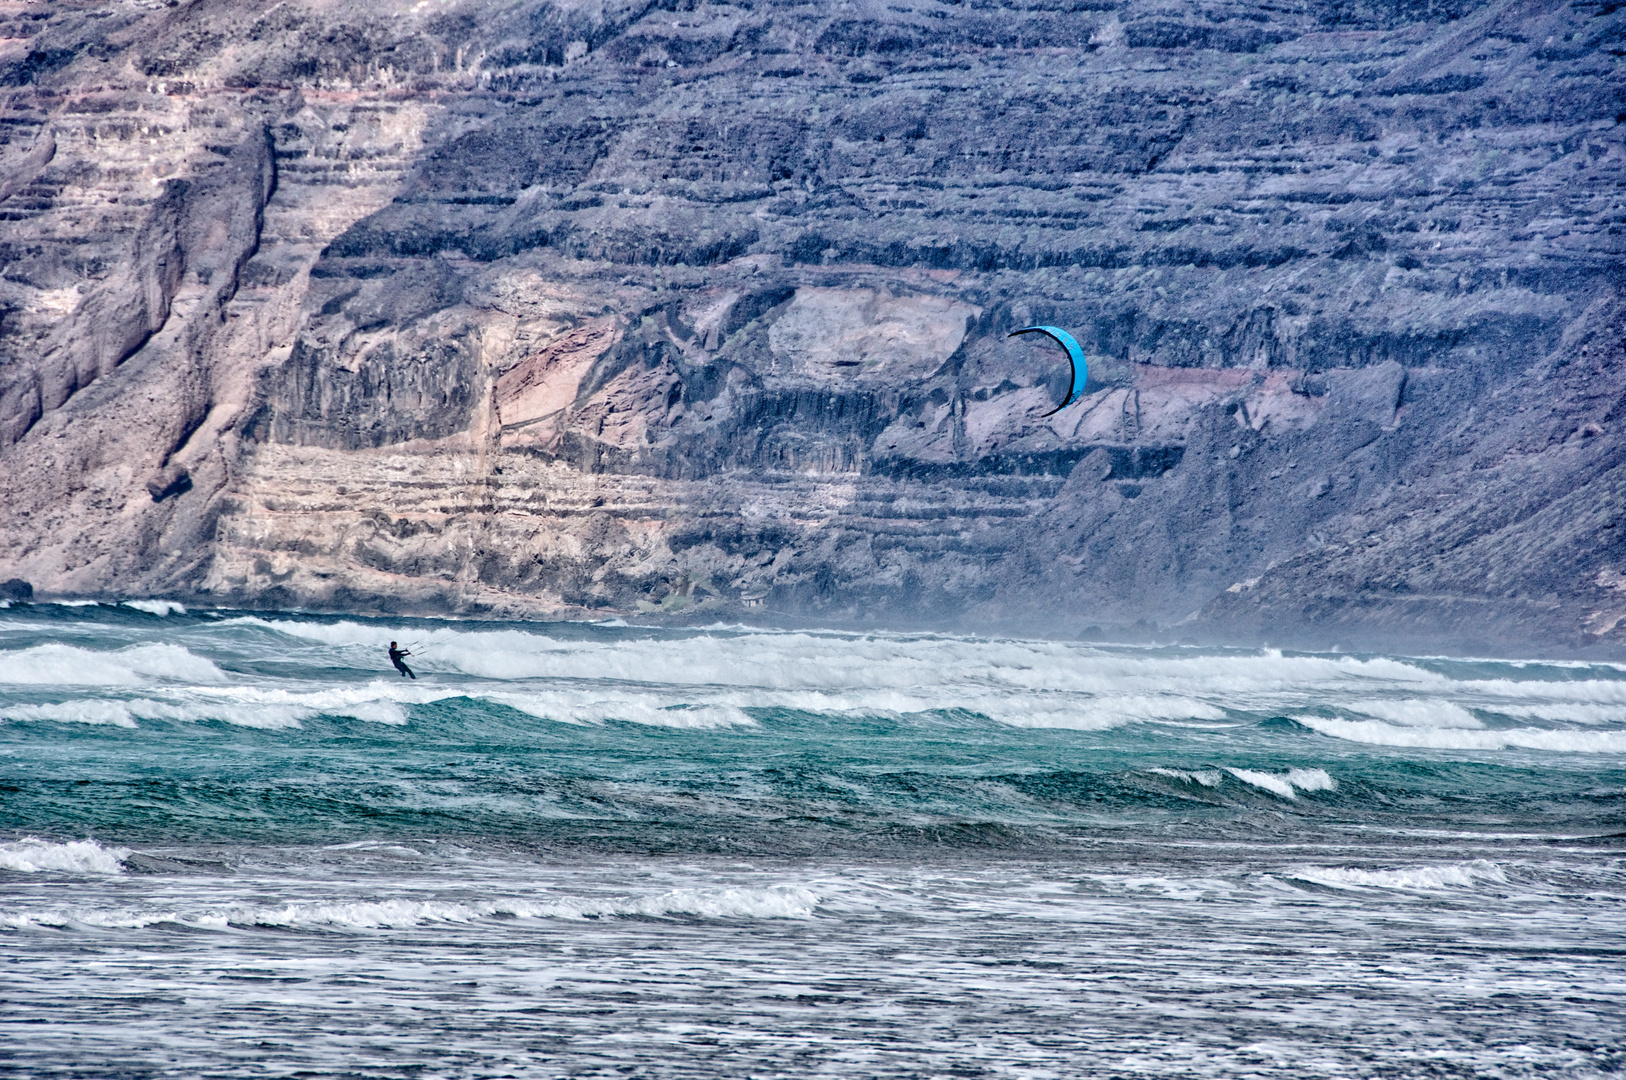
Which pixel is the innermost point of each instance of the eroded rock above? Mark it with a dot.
(609, 307)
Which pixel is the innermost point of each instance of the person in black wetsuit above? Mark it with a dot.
(400, 665)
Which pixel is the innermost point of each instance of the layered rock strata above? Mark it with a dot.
(702, 309)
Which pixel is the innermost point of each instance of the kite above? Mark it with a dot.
(1075, 356)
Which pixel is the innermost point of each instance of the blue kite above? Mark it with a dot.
(1075, 356)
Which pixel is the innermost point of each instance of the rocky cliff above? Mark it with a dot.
(700, 310)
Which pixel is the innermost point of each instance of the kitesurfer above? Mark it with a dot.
(400, 664)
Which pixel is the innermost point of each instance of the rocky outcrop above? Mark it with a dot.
(703, 308)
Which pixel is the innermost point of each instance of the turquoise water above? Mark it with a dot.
(237, 844)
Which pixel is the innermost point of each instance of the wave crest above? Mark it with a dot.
(1287, 784)
(137, 665)
(774, 902)
(1418, 878)
(1378, 733)
(31, 855)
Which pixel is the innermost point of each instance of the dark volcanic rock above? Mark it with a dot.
(703, 307)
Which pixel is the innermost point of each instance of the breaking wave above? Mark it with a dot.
(1377, 733)
(33, 856)
(88, 711)
(1287, 784)
(1204, 777)
(1421, 878)
(137, 665)
(156, 607)
(280, 673)
(1415, 712)
(783, 902)
(822, 661)
(250, 707)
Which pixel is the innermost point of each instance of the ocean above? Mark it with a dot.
(238, 844)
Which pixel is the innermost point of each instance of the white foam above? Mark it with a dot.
(83, 711)
(1276, 785)
(1205, 777)
(1311, 780)
(239, 714)
(1173, 888)
(275, 707)
(774, 902)
(1567, 713)
(590, 707)
(378, 712)
(1422, 878)
(138, 665)
(1417, 712)
(1592, 691)
(267, 708)
(753, 903)
(716, 678)
(1287, 784)
(157, 607)
(724, 677)
(825, 661)
(1380, 734)
(105, 918)
(33, 856)
(379, 701)
(1105, 711)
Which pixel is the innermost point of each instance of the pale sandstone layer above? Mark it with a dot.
(700, 310)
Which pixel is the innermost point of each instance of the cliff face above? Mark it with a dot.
(702, 308)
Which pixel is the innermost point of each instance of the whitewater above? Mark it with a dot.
(240, 844)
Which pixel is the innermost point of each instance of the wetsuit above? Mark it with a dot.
(400, 665)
